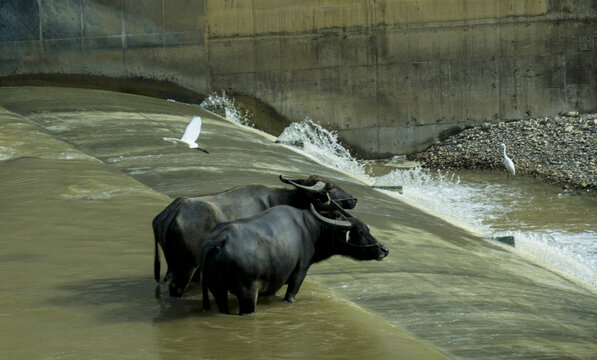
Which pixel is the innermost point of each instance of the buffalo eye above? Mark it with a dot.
(364, 232)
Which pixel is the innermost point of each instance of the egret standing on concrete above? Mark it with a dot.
(190, 136)
(508, 163)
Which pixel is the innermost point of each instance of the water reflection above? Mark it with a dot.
(276, 331)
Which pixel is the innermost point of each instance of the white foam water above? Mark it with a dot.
(6, 153)
(323, 146)
(225, 106)
(473, 205)
(493, 210)
(440, 192)
(574, 254)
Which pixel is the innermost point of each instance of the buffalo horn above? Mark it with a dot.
(338, 223)
(318, 187)
(342, 211)
(284, 179)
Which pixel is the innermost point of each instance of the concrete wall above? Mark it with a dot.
(390, 76)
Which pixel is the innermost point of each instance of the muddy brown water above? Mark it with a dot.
(82, 174)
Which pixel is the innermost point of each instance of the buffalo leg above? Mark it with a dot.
(220, 293)
(246, 306)
(294, 284)
(180, 281)
(247, 301)
(206, 305)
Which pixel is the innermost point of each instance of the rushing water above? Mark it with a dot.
(550, 225)
(84, 172)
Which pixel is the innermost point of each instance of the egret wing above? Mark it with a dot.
(510, 166)
(192, 131)
(172, 140)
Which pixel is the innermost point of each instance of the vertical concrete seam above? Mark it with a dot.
(254, 37)
(499, 70)
(565, 68)
(205, 30)
(465, 91)
(82, 35)
(407, 28)
(41, 31)
(163, 25)
(40, 12)
(373, 32)
(123, 38)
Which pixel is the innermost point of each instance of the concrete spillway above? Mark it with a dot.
(78, 251)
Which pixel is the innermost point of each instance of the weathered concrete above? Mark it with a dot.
(389, 75)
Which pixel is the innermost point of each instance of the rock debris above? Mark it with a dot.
(561, 149)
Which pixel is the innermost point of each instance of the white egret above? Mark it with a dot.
(190, 136)
(508, 163)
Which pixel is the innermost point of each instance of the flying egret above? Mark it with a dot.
(508, 163)
(190, 136)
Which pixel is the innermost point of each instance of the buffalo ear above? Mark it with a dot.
(332, 222)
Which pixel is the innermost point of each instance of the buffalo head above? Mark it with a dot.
(322, 192)
(356, 240)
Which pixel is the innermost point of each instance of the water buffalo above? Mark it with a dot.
(258, 255)
(183, 225)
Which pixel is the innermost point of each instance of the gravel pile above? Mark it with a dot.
(561, 150)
